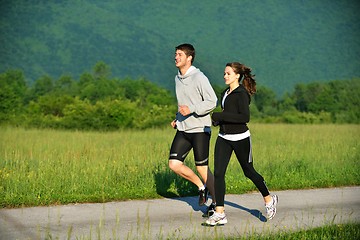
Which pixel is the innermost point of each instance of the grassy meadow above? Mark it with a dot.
(341, 231)
(45, 167)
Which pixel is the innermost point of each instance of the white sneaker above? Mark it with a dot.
(217, 219)
(271, 207)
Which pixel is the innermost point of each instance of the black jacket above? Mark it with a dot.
(235, 112)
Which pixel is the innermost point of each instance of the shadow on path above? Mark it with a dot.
(256, 213)
(167, 183)
(193, 202)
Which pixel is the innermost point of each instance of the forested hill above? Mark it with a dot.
(285, 42)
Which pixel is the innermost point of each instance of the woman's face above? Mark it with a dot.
(230, 76)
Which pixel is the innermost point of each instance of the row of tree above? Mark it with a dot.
(318, 102)
(98, 102)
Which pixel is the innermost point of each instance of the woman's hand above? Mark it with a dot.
(215, 119)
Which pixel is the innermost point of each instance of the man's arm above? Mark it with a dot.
(208, 95)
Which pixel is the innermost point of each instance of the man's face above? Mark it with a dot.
(181, 59)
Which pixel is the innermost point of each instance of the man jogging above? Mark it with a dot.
(196, 99)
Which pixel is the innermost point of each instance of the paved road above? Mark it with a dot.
(181, 218)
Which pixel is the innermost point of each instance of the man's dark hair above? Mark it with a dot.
(188, 49)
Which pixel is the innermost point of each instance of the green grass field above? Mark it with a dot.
(45, 167)
(340, 231)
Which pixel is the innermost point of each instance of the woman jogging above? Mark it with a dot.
(234, 135)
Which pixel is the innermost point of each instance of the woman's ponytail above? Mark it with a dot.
(249, 82)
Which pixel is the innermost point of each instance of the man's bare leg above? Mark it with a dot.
(184, 171)
(208, 178)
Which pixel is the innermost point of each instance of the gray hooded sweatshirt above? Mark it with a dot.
(194, 90)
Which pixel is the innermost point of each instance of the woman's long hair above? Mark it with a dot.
(248, 80)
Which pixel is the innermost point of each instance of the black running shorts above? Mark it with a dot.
(183, 142)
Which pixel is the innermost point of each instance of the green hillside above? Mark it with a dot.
(285, 42)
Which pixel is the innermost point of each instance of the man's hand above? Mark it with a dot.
(184, 110)
(173, 124)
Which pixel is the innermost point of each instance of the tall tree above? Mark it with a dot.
(101, 71)
(12, 92)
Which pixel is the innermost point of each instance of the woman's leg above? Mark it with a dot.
(243, 151)
(222, 156)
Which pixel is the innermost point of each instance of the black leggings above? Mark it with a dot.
(242, 149)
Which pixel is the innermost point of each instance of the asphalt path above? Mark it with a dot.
(181, 218)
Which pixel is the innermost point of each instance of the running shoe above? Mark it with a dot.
(271, 207)
(217, 219)
(210, 210)
(203, 195)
